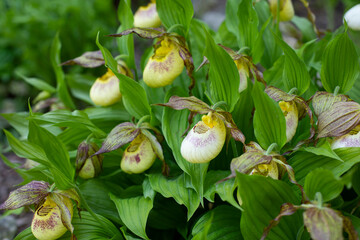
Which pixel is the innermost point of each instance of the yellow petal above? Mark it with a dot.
(46, 223)
(147, 17)
(351, 139)
(205, 140)
(138, 156)
(243, 74)
(291, 116)
(286, 9)
(106, 91)
(164, 66)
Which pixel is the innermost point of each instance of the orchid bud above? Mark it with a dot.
(164, 66)
(87, 166)
(138, 156)
(243, 73)
(290, 112)
(147, 17)
(47, 223)
(352, 17)
(352, 139)
(286, 9)
(205, 140)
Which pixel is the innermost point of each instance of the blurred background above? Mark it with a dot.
(28, 27)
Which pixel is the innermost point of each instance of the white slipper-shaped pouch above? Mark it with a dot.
(147, 17)
(205, 140)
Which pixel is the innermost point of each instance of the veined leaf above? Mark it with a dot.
(183, 14)
(133, 95)
(262, 199)
(223, 75)
(323, 181)
(224, 224)
(295, 72)
(134, 212)
(177, 189)
(248, 24)
(60, 79)
(269, 121)
(38, 83)
(340, 64)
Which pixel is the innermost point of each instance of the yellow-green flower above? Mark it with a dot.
(243, 73)
(286, 9)
(147, 16)
(205, 140)
(47, 223)
(164, 66)
(138, 156)
(267, 170)
(290, 112)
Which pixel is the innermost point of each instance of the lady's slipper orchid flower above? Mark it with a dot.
(54, 208)
(106, 91)
(352, 17)
(164, 66)
(143, 149)
(205, 140)
(352, 139)
(147, 16)
(138, 156)
(243, 69)
(290, 112)
(47, 223)
(286, 9)
(88, 166)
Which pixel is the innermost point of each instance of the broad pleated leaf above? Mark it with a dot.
(183, 14)
(62, 89)
(28, 194)
(295, 72)
(323, 181)
(262, 199)
(340, 64)
(225, 224)
(269, 121)
(223, 75)
(134, 212)
(38, 83)
(133, 95)
(177, 189)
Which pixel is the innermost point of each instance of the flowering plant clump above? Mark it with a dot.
(250, 131)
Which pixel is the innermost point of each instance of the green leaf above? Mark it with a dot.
(174, 124)
(183, 14)
(133, 95)
(38, 83)
(134, 212)
(295, 73)
(60, 79)
(177, 189)
(306, 28)
(96, 193)
(340, 64)
(126, 43)
(224, 224)
(262, 199)
(223, 75)
(304, 162)
(56, 153)
(16, 120)
(323, 149)
(224, 189)
(269, 121)
(248, 24)
(323, 181)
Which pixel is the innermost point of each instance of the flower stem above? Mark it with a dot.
(219, 104)
(319, 199)
(336, 91)
(293, 90)
(270, 148)
(143, 119)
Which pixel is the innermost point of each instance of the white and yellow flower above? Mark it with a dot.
(267, 170)
(47, 223)
(286, 9)
(352, 17)
(164, 65)
(290, 112)
(352, 139)
(147, 16)
(205, 140)
(138, 156)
